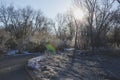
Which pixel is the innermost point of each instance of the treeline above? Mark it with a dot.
(28, 29)
(102, 26)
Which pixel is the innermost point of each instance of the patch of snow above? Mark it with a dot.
(25, 52)
(12, 52)
(33, 63)
(69, 49)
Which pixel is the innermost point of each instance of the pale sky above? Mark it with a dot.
(49, 7)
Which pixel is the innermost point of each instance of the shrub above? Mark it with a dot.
(1, 53)
(11, 43)
(38, 48)
(30, 46)
(58, 44)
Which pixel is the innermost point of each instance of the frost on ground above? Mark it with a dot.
(15, 52)
(47, 68)
(69, 49)
(81, 67)
(34, 62)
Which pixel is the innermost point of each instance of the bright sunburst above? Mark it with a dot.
(78, 13)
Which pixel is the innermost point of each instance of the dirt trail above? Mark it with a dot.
(12, 67)
(92, 67)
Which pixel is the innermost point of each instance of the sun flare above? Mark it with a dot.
(79, 14)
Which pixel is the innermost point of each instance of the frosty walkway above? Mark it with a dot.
(92, 67)
(82, 67)
(12, 67)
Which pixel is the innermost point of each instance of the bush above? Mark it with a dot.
(11, 43)
(58, 44)
(1, 53)
(30, 46)
(38, 48)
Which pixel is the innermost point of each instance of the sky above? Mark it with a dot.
(50, 8)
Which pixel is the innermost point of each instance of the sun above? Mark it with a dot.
(78, 14)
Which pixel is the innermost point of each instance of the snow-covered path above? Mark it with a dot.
(12, 67)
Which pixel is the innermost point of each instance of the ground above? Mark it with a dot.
(13, 67)
(93, 67)
(82, 67)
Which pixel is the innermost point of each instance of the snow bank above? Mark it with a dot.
(25, 52)
(47, 67)
(69, 49)
(14, 52)
(33, 63)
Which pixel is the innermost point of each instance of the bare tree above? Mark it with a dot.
(71, 26)
(60, 26)
(4, 15)
(99, 13)
(18, 22)
(64, 26)
(39, 21)
(115, 38)
(90, 5)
